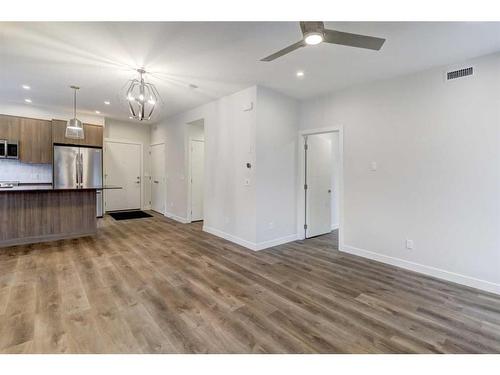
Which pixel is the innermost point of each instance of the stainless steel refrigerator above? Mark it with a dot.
(79, 167)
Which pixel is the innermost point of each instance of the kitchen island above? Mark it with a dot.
(39, 213)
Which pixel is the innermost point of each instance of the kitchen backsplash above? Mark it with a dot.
(14, 170)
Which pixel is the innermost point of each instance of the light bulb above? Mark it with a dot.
(313, 38)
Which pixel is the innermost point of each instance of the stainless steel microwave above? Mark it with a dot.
(9, 149)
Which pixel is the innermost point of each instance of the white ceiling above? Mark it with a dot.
(219, 57)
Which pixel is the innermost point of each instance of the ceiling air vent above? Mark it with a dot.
(459, 73)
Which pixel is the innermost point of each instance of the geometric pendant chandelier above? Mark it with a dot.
(142, 97)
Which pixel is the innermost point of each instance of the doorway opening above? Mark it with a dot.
(321, 188)
(158, 178)
(196, 162)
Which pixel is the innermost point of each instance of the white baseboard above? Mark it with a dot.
(335, 226)
(278, 241)
(180, 219)
(426, 270)
(230, 237)
(248, 244)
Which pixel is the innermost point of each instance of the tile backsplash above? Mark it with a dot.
(14, 170)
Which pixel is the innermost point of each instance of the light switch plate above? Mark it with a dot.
(373, 166)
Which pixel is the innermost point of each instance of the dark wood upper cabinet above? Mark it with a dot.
(34, 137)
(9, 127)
(35, 141)
(93, 134)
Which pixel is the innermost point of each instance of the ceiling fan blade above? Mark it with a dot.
(353, 40)
(284, 51)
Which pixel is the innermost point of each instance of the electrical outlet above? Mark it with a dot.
(409, 244)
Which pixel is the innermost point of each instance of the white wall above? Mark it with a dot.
(276, 163)
(229, 143)
(239, 199)
(139, 133)
(437, 148)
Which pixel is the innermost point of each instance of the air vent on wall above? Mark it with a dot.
(459, 73)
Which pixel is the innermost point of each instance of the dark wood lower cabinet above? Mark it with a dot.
(37, 216)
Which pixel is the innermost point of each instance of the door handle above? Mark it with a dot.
(81, 170)
(156, 182)
(329, 190)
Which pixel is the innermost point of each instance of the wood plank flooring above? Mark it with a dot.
(157, 286)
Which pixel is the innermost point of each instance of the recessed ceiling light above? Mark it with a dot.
(27, 100)
(300, 73)
(26, 87)
(97, 112)
(314, 38)
(106, 102)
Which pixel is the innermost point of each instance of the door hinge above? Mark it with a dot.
(305, 146)
(305, 226)
(305, 186)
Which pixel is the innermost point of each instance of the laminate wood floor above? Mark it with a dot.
(157, 286)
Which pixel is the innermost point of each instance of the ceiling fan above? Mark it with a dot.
(315, 33)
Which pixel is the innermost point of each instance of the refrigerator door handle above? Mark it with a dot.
(77, 170)
(81, 170)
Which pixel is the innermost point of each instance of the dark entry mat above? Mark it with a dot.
(127, 215)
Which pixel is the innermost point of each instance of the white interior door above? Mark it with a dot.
(122, 167)
(158, 186)
(319, 179)
(197, 172)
